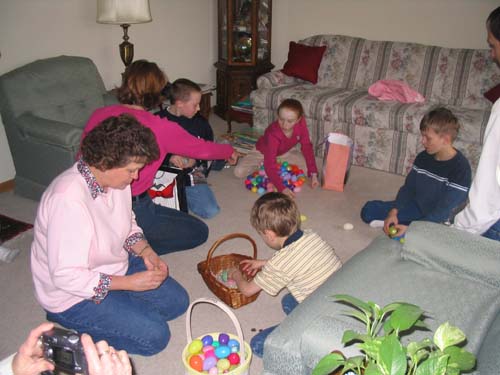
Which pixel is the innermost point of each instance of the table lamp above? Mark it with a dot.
(124, 13)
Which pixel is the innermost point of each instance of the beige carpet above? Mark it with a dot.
(326, 213)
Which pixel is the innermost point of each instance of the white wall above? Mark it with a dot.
(182, 36)
(181, 39)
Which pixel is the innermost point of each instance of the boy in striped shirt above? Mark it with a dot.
(303, 261)
(436, 187)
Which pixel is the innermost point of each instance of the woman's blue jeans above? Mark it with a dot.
(288, 303)
(132, 321)
(166, 229)
(201, 201)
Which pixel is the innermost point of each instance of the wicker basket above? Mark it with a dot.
(213, 265)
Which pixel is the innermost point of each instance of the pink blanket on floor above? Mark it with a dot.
(388, 89)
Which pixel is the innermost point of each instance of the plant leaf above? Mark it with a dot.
(371, 347)
(363, 306)
(354, 363)
(358, 315)
(372, 369)
(350, 335)
(392, 356)
(447, 335)
(414, 346)
(405, 316)
(433, 366)
(328, 364)
(460, 358)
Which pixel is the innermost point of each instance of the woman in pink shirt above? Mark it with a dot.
(277, 141)
(166, 229)
(92, 268)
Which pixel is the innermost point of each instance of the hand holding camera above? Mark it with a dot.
(48, 349)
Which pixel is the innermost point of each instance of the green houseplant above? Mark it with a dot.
(383, 352)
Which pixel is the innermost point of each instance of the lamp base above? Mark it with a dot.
(126, 48)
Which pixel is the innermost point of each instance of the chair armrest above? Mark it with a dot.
(47, 131)
(110, 97)
(275, 78)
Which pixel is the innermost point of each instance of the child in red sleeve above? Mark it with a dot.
(277, 141)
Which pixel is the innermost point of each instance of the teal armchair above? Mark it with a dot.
(44, 107)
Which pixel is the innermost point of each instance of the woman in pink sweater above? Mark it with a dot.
(277, 141)
(92, 268)
(166, 229)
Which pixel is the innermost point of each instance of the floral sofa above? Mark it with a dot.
(386, 133)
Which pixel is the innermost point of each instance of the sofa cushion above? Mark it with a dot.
(303, 61)
(443, 251)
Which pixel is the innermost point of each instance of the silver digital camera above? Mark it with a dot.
(64, 348)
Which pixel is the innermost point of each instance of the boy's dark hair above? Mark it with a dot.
(277, 212)
(180, 89)
(442, 121)
(117, 141)
(493, 23)
(293, 105)
(142, 83)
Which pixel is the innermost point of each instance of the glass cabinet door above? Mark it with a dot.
(242, 31)
(264, 30)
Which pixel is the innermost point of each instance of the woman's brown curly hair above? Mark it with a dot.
(142, 83)
(117, 141)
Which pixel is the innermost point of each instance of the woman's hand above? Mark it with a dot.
(29, 359)
(103, 359)
(314, 180)
(145, 280)
(153, 262)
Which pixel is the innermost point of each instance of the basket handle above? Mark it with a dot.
(224, 308)
(230, 237)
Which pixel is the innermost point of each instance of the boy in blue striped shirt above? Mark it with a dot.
(436, 187)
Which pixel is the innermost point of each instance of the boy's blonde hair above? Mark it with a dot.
(442, 121)
(293, 105)
(276, 212)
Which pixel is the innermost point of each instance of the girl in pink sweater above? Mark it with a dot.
(277, 141)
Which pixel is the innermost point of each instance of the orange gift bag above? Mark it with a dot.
(337, 160)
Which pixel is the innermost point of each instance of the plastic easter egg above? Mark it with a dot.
(222, 351)
(254, 189)
(261, 191)
(210, 353)
(392, 231)
(262, 172)
(223, 364)
(207, 348)
(215, 344)
(303, 217)
(285, 164)
(213, 371)
(234, 358)
(223, 338)
(195, 346)
(234, 345)
(209, 362)
(297, 189)
(196, 363)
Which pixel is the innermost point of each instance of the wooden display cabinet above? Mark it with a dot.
(244, 39)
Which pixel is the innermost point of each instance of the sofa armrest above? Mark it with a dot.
(453, 251)
(41, 130)
(275, 78)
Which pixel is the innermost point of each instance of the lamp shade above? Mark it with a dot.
(123, 11)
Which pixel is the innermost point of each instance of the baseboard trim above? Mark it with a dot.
(7, 186)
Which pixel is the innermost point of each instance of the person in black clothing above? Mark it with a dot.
(184, 96)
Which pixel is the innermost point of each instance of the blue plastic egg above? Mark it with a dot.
(234, 345)
(222, 351)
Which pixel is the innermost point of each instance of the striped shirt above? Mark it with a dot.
(301, 266)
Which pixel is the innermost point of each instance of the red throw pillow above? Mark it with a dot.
(303, 61)
(493, 94)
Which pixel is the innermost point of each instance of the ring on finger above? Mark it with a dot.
(103, 352)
